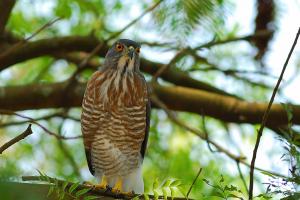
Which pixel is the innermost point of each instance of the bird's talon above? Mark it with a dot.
(116, 191)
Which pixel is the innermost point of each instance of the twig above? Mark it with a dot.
(23, 135)
(48, 24)
(191, 51)
(259, 34)
(8, 112)
(151, 8)
(46, 117)
(206, 134)
(83, 64)
(116, 34)
(191, 187)
(164, 68)
(265, 116)
(66, 152)
(21, 42)
(173, 117)
(241, 176)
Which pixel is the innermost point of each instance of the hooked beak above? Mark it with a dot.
(131, 52)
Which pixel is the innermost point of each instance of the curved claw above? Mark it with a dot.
(102, 186)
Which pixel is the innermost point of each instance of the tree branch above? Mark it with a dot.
(228, 109)
(8, 112)
(6, 7)
(51, 47)
(201, 135)
(23, 135)
(46, 117)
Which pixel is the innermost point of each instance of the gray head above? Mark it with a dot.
(123, 55)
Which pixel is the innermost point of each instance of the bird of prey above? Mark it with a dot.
(115, 119)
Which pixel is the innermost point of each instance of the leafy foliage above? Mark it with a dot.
(172, 151)
(63, 188)
(183, 17)
(224, 191)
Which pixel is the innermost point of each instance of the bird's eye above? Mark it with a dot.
(119, 47)
(137, 50)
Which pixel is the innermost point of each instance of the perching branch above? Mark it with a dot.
(266, 115)
(23, 135)
(97, 192)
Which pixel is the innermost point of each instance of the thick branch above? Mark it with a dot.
(6, 7)
(51, 47)
(222, 107)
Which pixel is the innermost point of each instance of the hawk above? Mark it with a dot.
(115, 119)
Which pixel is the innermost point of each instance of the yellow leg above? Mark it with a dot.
(119, 190)
(118, 186)
(103, 185)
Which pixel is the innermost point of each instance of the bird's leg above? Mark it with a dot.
(119, 190)
(103, 185)
(118, 186)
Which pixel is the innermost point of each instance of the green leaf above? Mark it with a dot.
(182, 191)
(264, 196)
(165, 193)
(146, 197)
(155, 195)
(82, 192)
(155, 184)
(136, 198)
(288, 111)
(64, 185)
(268, 174)
(90, 197)
(62, 195)
(175, 183)
(218, 194)
(173, 192)
(73, 187)
(206, 181)
(222, 179)
(231, 188)
(234, 196)
(51, 189)
(63, 9)
(41, 174)
(167, 183)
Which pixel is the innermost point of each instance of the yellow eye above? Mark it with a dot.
(137, 50)
(119, 47)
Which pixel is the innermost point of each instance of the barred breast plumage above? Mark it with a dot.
(114, 123)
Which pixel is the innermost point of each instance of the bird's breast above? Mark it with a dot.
(121, 89)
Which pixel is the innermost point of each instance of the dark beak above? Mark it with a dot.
(130, 53)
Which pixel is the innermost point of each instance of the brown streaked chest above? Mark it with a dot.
(117, 89)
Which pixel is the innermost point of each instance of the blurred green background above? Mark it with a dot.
(244, 68)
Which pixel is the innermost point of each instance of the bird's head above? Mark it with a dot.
(123, 55)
